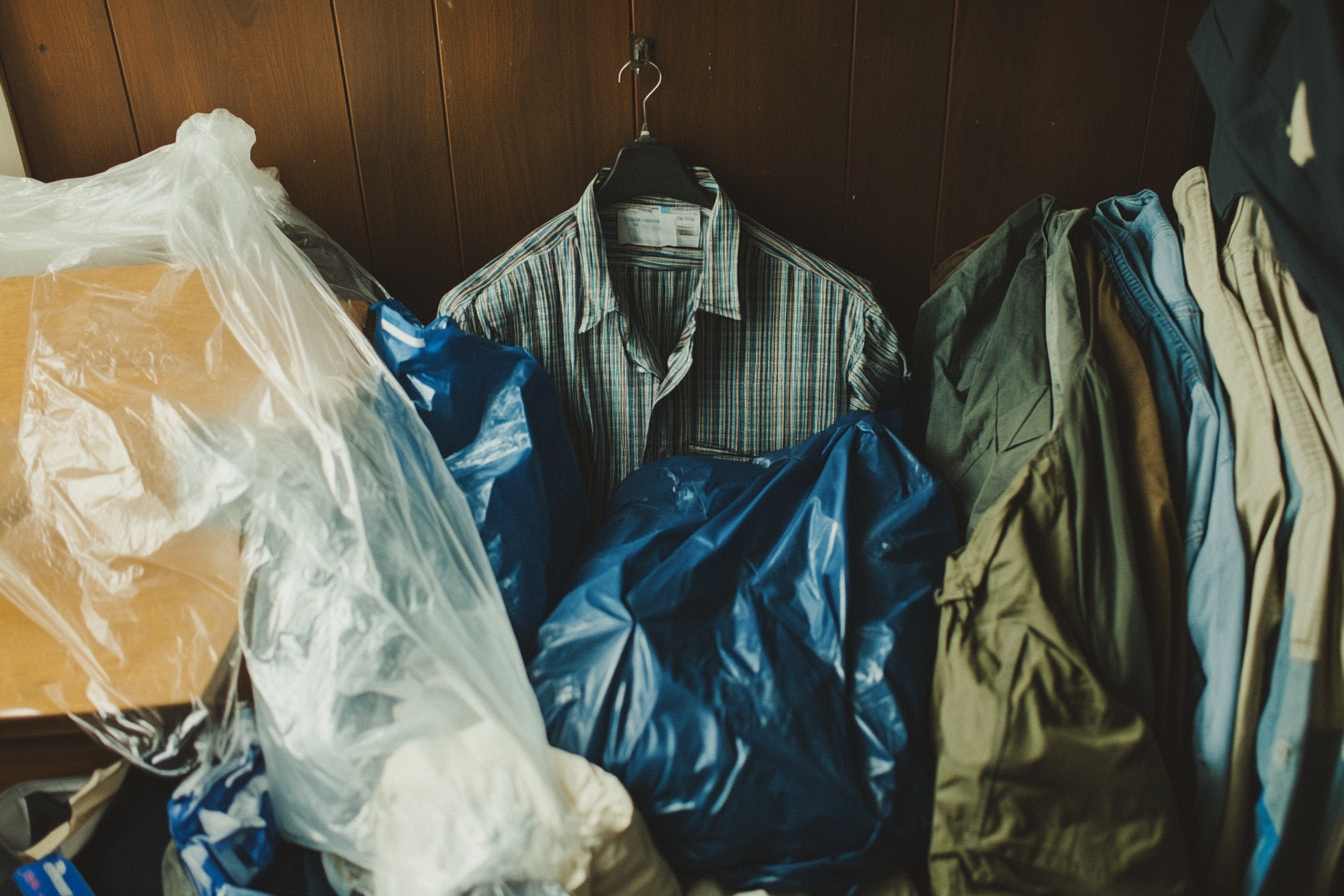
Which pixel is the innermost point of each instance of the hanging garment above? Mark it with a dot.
(1296, 703)
(1157, 536)
(1047, 782)
(496, 420)
(1298, 739)
(1274, 73)
(996, 348)
(749, 649)
(980, 357)
(726, 341)
(1261, 495)
(1305, 347)
(1144, 254)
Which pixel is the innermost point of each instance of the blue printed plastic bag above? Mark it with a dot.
(221, 817)
(496, 419)
(750, 650)
(51, 876)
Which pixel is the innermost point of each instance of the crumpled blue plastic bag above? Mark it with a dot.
(750, 649)
(221, 816)
(496, 419)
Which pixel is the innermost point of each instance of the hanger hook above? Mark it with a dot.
(644, 104)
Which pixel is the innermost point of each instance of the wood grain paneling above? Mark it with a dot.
(273, 63)
(901, 55)
(534, 110)
(1047, 96)
(401, 140)
(863, 130)
(1173, 98)
(757, 91)
(65, 83)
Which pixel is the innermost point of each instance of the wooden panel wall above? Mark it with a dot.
(902, 52)
(534, 108)
(427, 136)
(65, 83)
(738, 78)
(1026, 116)
(401, 143)
(274, 63)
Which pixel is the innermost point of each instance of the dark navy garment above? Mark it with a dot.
(496, 420)
(749, 647)
(1274, 73)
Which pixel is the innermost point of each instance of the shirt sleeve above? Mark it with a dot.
(466, 310)
(878, 366)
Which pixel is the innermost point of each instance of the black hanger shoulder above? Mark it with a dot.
(650, 168)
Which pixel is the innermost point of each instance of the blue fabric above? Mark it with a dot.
(749, 648)
(1283, 729)
(496, 420)
(1145, 258)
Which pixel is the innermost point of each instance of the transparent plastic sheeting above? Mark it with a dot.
(256, 429)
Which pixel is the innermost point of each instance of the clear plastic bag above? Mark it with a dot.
(207, 444)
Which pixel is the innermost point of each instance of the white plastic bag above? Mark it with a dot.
(257, 430)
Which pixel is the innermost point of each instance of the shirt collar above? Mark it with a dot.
(718, 291)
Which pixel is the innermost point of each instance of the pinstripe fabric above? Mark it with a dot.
(736, 349)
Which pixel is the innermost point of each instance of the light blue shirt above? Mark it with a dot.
(1143, 252)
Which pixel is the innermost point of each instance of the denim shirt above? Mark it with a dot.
(1145, 256)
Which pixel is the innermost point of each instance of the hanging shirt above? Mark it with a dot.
(982, 368)
(1157, 534)
(729, 341)
(1047, 782)
(1050, 777)
(1144, 255)
(1000, 346)
(1307, 354)
(1299, 728)
(1261, 493)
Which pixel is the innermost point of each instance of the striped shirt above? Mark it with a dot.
(734, 346)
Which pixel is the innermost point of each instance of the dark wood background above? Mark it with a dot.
(427, 136)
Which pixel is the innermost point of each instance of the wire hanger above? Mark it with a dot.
(644, 103)
(647, 167)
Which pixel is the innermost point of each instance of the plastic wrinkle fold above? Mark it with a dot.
(209, 456)
(749, 648)
(496, 419)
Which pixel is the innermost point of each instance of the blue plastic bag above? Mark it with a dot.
(496, 420)
(750, 650)
(221, 817)
(51, 876)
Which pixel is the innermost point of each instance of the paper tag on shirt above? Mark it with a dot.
(663, 226)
